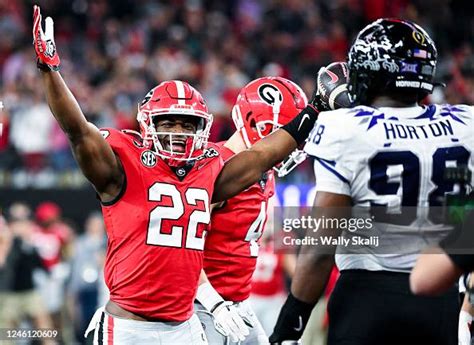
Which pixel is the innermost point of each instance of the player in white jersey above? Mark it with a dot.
(387, 156)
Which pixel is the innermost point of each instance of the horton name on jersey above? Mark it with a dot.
(439, 128)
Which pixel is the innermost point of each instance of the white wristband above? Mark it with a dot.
(208, 296)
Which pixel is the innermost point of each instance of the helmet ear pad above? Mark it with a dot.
(251, 127)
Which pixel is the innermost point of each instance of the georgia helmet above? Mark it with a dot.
(264, 105)
(170, 98)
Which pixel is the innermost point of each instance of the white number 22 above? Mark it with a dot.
(174, 212)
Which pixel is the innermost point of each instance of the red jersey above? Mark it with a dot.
(156, 229)
(268, 278)
(232, 244)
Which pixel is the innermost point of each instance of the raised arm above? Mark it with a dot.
(247, 167)
(93, 154)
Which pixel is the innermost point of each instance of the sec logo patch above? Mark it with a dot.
(148, 158)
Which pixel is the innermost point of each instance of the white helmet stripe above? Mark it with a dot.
(180, 90)
(239, 124)
(336, 92)
(276, 110)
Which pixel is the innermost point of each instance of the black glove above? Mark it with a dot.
(292, 320)
(317, 102)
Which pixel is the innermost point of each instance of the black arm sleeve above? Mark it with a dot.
(302, 124)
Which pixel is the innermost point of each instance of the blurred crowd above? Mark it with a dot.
(113, 51)
(50, 277)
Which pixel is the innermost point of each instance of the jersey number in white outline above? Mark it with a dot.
(256, 229)
(174, 212)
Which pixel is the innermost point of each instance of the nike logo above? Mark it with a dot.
(334, 77)
(305, 116)
(300, 327)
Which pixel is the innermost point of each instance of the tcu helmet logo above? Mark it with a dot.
(148, 158)
(269, 93)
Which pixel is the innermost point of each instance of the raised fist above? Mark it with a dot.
(45, 48)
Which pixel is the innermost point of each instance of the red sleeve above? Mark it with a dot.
(115, 138)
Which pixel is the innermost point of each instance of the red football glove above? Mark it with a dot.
(47, 56)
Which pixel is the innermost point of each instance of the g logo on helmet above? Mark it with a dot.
(148, 158)
(269, 93)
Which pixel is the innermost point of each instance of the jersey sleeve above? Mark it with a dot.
(115, 138)
(328, 145)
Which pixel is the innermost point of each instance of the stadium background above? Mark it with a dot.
(114, 51)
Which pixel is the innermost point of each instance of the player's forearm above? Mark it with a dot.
(311, 276)
(247, 167)
(277, 146)
(433, 273)
(64, 106)
(273, 149)
(264, 155)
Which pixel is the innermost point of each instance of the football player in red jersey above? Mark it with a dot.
(231, 248)
(155, 191)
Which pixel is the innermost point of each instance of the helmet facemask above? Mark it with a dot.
(179, 102)
(294, 159)
(177, 147)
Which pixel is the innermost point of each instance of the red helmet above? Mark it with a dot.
(264, 105)
(175, 98)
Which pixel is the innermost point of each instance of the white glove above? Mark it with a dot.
(227, 320)
(464, 331)
(229, 323)
(246, 314)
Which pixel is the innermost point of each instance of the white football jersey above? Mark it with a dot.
(389, 158)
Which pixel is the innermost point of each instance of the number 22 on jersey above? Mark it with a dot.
(161, 214)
